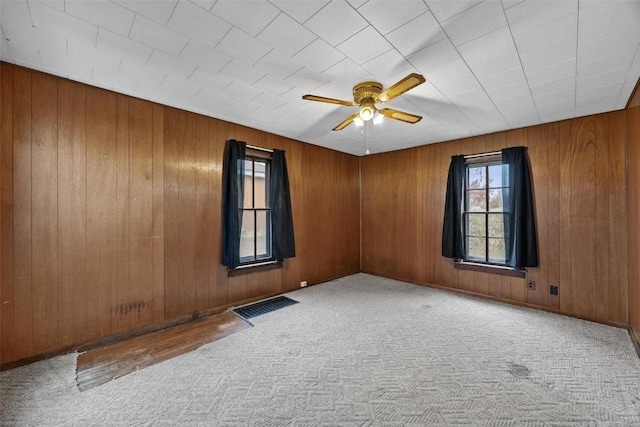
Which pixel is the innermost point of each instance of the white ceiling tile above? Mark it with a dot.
(251, 16)
(279, 64)
(444, 10)
(272, 85)
(301, 11)
(365, 45)
(618, 62)
(268, 101)
(554, 86)
(548, 57)
(336, 22)
(242, 46)
(357, 3)
(506, 4)
(241, 72)
(242, 91)
(518, 91)
(609, 91)
(601, 19)
(117, 46)
(465, 84)
(65, 65)
(475, 96)
(208, 79)
(157, 36)
(85, 51)
(547, 34)
(50, 19)
(170, 64)
(190, 20)
(346, 71)
(180, 85)
(57, 4)
(566, 98)
(198, 53)
(474, 22)
(154, 92)
(388, 64)
(111, 79)
(527, 15)
(620, 43)
(139, 71)
(387, 16)
(286, 35)
(319, 56)
(594, 105)
(608, 77)
(16, 14)
(205, 4)
(440, 63)
(554, 72)
(158, 11)
(21, 53)
(505, 78)
(417, 34)
(491, 54)
(306, 79)
(213, 96)
(35, 37)
(242, 104)
(102, 13)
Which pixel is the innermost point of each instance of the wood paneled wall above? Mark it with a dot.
(110, 214)
(633, 162)
(580, 186)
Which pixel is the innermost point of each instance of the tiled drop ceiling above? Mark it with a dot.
(490, 65)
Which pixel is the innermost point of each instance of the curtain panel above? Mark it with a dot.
(452, 231)
(283, 241)
(519, 219)
(232, 201)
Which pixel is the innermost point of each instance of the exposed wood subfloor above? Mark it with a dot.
(104, 364)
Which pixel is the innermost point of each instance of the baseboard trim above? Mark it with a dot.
(504, 300)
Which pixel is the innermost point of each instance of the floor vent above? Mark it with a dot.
(263, 307)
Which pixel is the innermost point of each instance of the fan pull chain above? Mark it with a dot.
(366, 124)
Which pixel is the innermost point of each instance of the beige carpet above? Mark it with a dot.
(361, 351)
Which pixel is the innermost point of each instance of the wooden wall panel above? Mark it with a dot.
(111, 214)
(579, 183)
(633, 191)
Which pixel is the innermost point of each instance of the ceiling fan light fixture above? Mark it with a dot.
(366, 113)
(378, 118)
(358, 121)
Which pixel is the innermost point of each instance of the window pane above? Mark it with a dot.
(247, 250)
(476, 177)
(262, 233)
(495, 200)
(248, 186)
(496, 225)
(476, 200)
(476, 225)
(495, 176)
(260, 185)
(476, 248)
(497, 251)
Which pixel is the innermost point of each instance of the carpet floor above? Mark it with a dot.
(361, 351)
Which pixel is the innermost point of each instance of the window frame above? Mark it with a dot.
(256, 260)
(485, 162)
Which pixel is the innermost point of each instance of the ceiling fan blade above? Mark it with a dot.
(400, 115)
(408, 83)
(346, 122)
(328, 100)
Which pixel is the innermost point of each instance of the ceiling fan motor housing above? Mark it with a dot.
(366, 92)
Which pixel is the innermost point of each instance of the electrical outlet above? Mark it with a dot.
(531, 285)
(553, 290)
(303, 284)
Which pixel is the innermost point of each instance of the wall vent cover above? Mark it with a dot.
(263, 307)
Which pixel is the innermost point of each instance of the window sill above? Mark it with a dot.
(253, 268)
(493, 269)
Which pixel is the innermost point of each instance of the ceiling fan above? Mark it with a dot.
(367, 94)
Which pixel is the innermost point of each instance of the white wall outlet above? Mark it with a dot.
(303, 283)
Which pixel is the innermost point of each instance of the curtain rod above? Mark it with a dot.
(492, 153)
(253, 147)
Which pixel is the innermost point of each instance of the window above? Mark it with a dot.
(483, 211)
(255, 235)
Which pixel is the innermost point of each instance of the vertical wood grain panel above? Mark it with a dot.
(602, 185)
(123, 210)
(187, 201)
(553, 214)
(72, 206)
(565, 287)
(633, 191)
(22, 149)
(101, 211)
(202, 222)
(44, 211)
(218, 293)
(141, 285)
(158, 213)
(6, 211)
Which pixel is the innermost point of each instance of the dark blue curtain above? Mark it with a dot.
(519, 219)
(283, 242)
(232, 201)
(452, 237)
